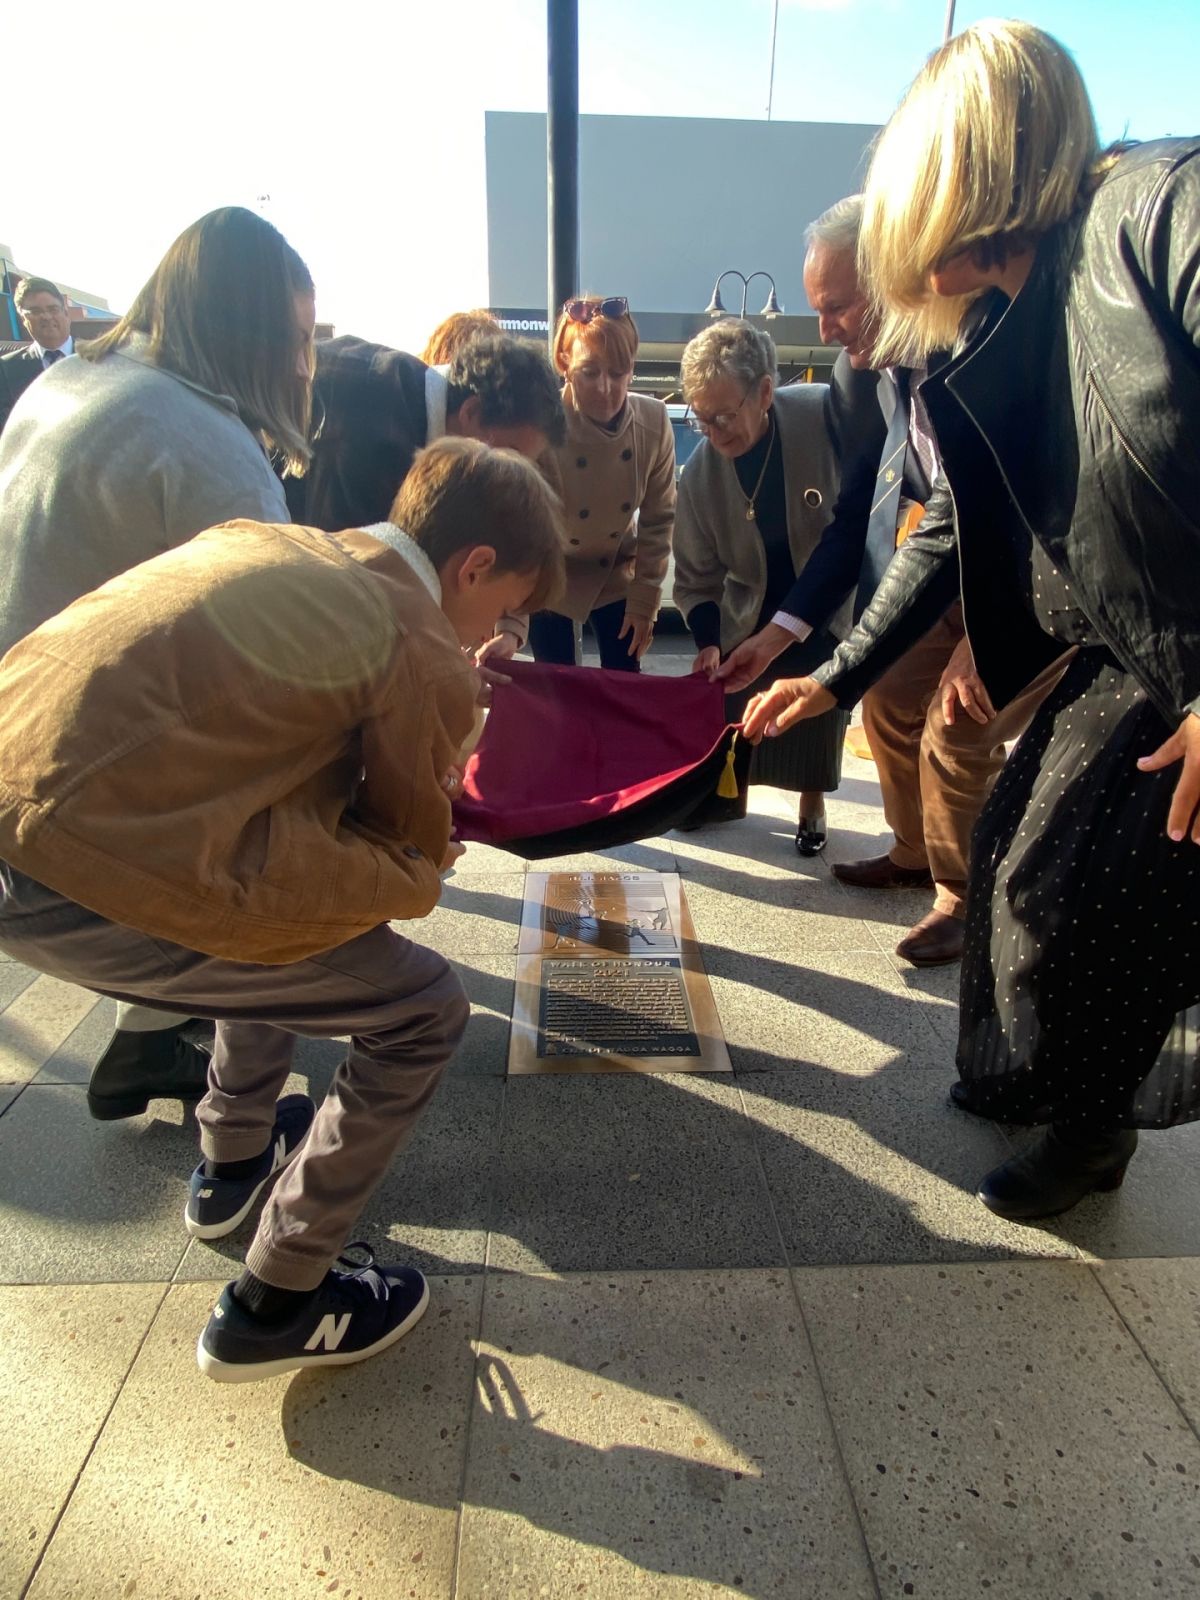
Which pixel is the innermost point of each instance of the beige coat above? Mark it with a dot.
(718, 554)
(618, 494)
(240, 745)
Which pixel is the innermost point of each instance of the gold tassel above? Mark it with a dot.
(727, 787)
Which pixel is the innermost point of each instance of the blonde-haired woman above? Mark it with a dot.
(616, 475)
(1068, 280)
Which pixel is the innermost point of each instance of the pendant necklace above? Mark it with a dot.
(751, 498)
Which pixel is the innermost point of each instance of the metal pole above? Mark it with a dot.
(771, 82)
(562, 153)
(949, 20)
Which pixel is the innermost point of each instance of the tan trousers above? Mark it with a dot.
(935, 778)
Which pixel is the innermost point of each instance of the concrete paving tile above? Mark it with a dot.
(66, 1353)
(846, 1013)
(655, 1434)
(14, 980)
(8, 1093)
(889, 914)
(339, 1482)
(602, 1172)
(475, 916)
(938, 988)
(648, 855)
(881, 1169)
(761, 845)
(1155, 1212)
(36, 1022)
(1160, 1302)
(786, 916)
(486, 860)
(91, 1202)
(432, 1207)
(489, 981)
(75, 1057)
(1004, 1434)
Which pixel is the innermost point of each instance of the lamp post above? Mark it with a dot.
(562, 154)
(716, 307)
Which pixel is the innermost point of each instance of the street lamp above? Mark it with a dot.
(716, 307)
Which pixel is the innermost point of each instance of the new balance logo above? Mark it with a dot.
(329, 1332)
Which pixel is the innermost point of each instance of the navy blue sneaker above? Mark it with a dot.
(216, 1205)
(351, 1316)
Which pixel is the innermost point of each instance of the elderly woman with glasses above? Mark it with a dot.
(616, 477)
(753, 501)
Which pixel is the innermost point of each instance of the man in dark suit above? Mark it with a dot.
(934, 777)
(376, 407)
(43, 310)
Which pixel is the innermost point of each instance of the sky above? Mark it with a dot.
(357, 128)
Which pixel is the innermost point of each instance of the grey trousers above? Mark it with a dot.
(402, 1006)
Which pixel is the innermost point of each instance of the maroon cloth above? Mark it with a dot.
(565, 747)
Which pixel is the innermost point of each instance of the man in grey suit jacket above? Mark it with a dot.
(43, 310)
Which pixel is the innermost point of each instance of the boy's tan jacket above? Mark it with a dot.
(240, 745)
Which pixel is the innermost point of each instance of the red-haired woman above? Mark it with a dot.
(616, 475)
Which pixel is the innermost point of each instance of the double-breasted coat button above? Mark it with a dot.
(584, 514)
(626, 506)
(581, 461)
(614, 536)
(627, 454)
(574, 541)
(813, 497)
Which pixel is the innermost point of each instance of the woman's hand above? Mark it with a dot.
(789, 701)
(753, 656)
(961, 685)
(502, 646)
(640, 631)
(707, 661)
(1183, 745)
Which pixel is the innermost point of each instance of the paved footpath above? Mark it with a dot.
(689, 1336)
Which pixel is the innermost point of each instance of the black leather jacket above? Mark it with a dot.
(1074, 408)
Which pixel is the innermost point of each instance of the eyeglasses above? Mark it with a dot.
(722, 421)
(588, 310)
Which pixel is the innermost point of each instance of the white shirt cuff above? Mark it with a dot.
(795, 625)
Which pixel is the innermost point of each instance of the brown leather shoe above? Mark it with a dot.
(881, 872)
(935, 941)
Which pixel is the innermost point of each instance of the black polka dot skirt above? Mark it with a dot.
(1081, 968)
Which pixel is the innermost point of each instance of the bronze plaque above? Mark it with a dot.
(610, 978)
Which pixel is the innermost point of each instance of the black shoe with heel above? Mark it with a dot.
(1056, 1173)
(137, 1067)
(812, 835)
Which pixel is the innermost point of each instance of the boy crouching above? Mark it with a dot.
(221, 775)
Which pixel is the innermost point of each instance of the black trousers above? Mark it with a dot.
(552, 638)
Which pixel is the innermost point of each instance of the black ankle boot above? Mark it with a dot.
(1055, 1173)
(140, 1067)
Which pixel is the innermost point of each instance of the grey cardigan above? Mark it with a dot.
(104, 464)
(718, 554)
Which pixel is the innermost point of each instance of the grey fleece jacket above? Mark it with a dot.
(106, 464)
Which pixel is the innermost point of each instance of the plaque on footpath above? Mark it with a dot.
(609, 978)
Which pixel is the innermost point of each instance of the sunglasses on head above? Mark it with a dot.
(588, 310)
